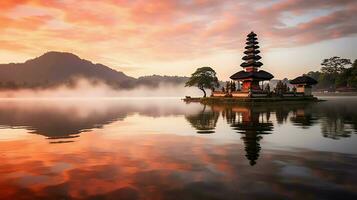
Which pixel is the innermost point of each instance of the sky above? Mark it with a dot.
(174, 37)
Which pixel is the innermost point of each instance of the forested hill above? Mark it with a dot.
(58, 68)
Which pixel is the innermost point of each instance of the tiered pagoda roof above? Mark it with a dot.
(259, 75)
(251, 61)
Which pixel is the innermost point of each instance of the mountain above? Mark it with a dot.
(54, 68)
(58, 68)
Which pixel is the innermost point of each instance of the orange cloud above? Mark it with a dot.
(4, 5)
(147, 31)
(12, 46)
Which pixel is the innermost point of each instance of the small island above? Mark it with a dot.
(248, 85)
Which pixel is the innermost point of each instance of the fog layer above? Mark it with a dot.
(86, 89)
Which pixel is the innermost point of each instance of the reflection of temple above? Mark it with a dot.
(204, 122)
(249, 121)
(336, 120)
(303, 118)
(252, 123)
(282, 114)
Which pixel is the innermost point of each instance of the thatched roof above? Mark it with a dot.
(259, 75)
(254, 51)
(251, 64)
(254, 47)
(254, 57)
(251, 42)
(252, 38)
(304, 80)
(252, 34)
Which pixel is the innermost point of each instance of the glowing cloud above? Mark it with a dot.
(153, 34)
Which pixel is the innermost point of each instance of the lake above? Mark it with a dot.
(163, 148)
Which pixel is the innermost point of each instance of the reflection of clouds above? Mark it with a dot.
(171, 167)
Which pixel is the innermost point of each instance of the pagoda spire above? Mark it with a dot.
(251, 58)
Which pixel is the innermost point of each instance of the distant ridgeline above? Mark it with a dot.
(58, 68)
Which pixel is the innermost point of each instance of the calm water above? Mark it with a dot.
(166, 149)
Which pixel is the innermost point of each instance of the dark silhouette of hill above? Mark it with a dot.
(56, 68)
(53, 68)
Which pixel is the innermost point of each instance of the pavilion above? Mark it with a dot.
(303, 84)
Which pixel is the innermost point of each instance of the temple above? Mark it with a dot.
(251, 75)
(248, 84)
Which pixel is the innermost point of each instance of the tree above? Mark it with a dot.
(335, 73)
(203, 78)
(327, 81)
(341, 79)
(352, 78)
(315, 75)
(334, 65)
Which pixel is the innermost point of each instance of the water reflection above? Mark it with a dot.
(66, 119)
(338, 117)
(254, 121)
(62, 121)
(204, 121)
(303, 118)
(151, 150)
(251, 122)
(336, 120)
(54, 120)
(170, 167)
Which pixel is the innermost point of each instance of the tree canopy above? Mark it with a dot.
(335, 65)
(203, 78)
(336, 73)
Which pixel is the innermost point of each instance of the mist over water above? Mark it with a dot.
(84, 88)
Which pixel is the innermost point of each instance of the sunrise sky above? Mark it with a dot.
(174, 37)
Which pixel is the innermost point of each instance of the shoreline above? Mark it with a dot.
(334, 94)
(230, 100)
